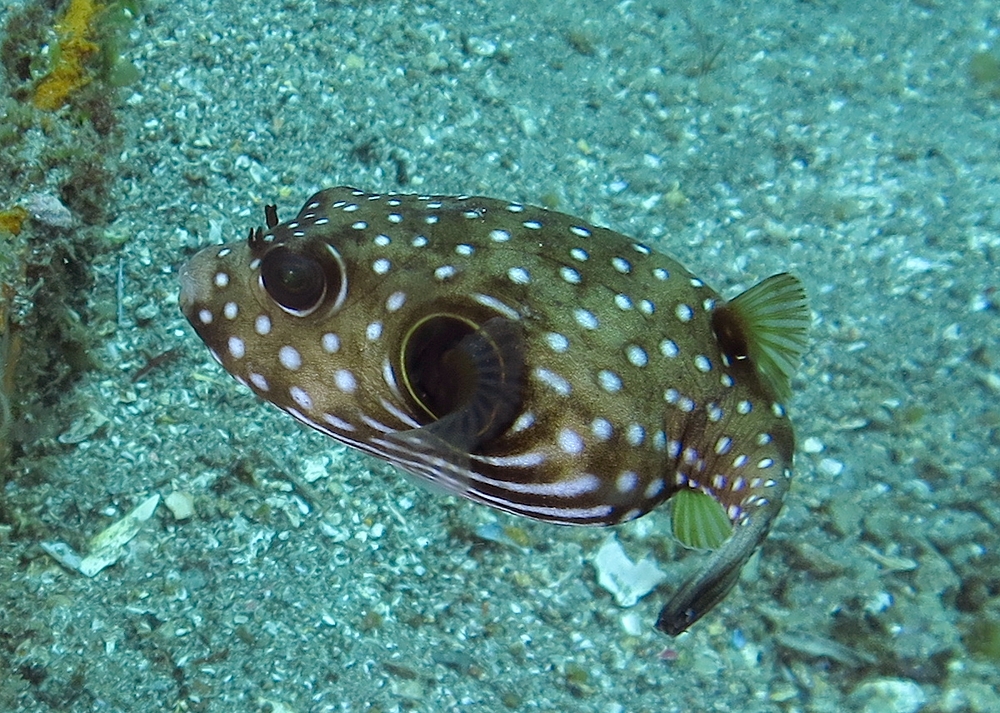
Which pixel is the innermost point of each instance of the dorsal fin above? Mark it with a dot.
(767, 324)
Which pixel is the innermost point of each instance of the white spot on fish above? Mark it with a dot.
(345, 381)
(221, 279)
(626, 481)
(553, 381)
(373, 331)
(609, 381)
(569, 275)
(668, 348)
(621, 265)
(262, 325)
(290, 358)
(601, 428)
(586, 319)
(300, 397)
(557, 342)
(570, 442)
(237, 349)
(525, 421)
(499, 236)
(381, 266)
(331, 343)
(636, 355)
(519, 276)
(445, 272)
(204, 316)
(230, 310)
(395, 301)
(259, 381)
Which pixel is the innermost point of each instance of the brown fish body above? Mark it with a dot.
(512, 355)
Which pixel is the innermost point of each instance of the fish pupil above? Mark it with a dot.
(439, 377)
(295, 281)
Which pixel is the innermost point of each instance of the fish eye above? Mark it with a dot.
(298, 281)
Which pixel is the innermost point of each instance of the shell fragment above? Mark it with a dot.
(108, 545)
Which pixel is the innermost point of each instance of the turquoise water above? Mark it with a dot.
(856, 147)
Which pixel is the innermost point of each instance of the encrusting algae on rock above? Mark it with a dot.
(521, 358)
(71, 54)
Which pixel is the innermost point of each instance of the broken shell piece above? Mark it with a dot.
(108, 545)
(628, 582)
(63, 554)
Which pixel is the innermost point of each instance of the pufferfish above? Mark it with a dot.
(521, 358)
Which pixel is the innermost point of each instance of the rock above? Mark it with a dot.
(181, 504)
(888, 695)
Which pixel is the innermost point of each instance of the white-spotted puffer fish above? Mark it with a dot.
(520, 358)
